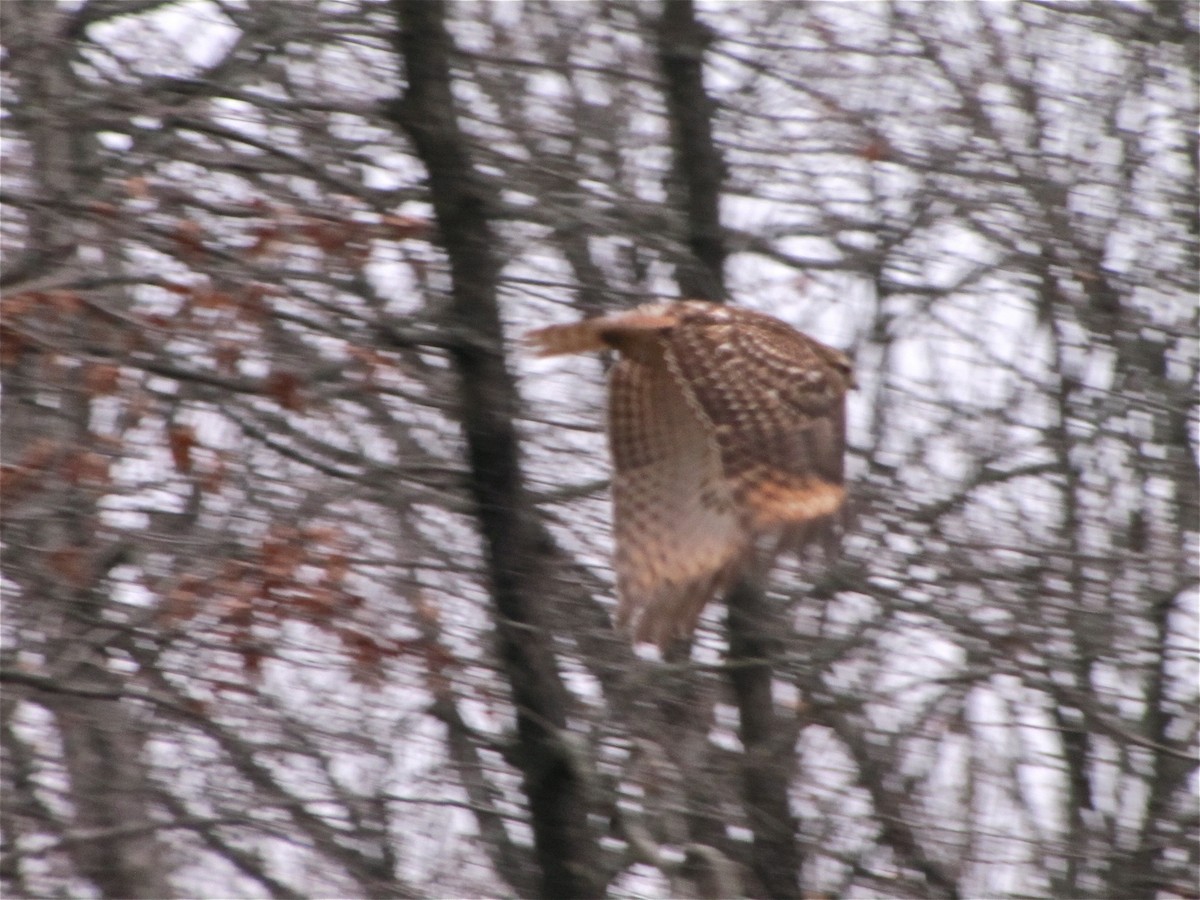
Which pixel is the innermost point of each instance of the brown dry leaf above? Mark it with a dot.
(322, 534)
(103, 208)
(210, 299)
(196, 707)
(252, 658)
(366, 653)
(265, 237)
(437, 657)
(372, 361)
(227, 355)
(336, 566)
(12, 347)
(73, 565)
(213, 476)
(38, 454)
(86, 467)
(281, 553)
(67, 303)
(284, 388)
(157, 321)
(253, 306)
(320, 603)
(237, 611)
(181, 439)
(183, 601)
(138, 187)
(101, 378)
(190, 237)
(876, 150)
(328, 236)
(426, 610)
(400, 228)
(28, 469)
(16, 305)
(12, 478)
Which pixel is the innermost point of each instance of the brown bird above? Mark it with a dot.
(727, 429)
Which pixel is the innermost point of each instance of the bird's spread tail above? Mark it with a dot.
(626, 331)
(556, 340)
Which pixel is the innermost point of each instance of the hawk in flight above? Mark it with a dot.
(727, 429)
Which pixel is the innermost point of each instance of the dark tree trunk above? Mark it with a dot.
(697, 170)
(515, 550)
(767, 745)
(697, 175)
(108, 787)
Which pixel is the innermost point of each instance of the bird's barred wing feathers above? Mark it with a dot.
(775, 402)
(678, 535)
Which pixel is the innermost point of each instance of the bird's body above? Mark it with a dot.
(727, 432)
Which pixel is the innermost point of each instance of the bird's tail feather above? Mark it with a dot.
(557, 340)
(619, 332)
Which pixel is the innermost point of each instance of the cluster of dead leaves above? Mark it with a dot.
(48, 462)
(345, 237)
(294, 574)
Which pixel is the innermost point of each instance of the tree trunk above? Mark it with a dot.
(52, 546)
(697, 176)
(555, 784)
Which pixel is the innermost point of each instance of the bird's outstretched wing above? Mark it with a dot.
(678, 533)
(775, 401)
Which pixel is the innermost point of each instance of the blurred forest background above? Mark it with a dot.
(305, 566)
